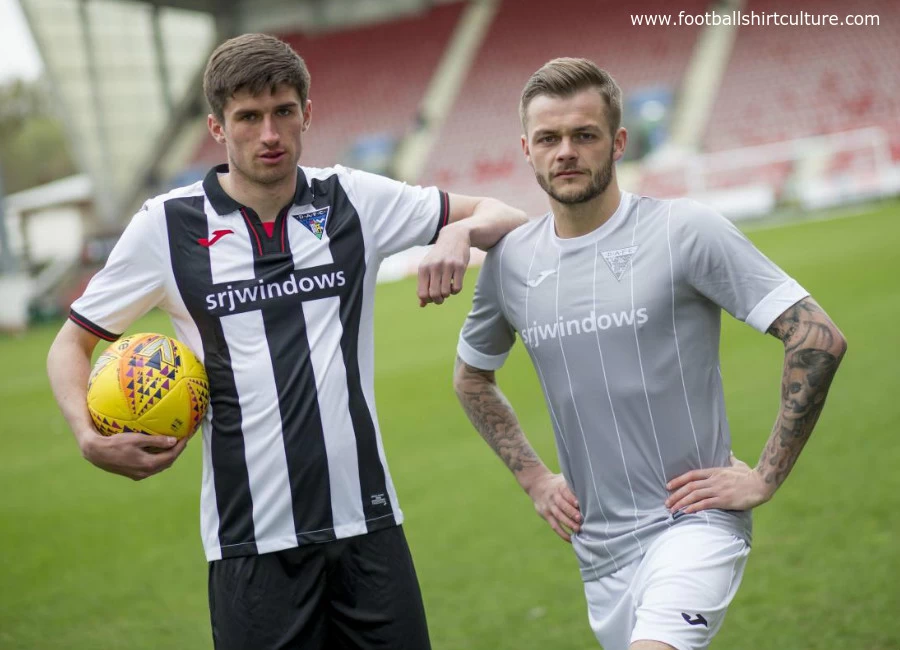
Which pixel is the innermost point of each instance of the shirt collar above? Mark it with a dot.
(224, 204)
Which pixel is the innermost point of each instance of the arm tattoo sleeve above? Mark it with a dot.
(491, 413)
(813, 349)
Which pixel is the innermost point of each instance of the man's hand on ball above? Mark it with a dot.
(134, 455)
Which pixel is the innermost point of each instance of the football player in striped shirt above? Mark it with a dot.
(268, 270)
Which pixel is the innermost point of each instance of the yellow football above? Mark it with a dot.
(148, 383)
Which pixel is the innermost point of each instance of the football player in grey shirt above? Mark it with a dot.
(618, 300)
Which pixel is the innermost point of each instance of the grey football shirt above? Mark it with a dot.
(622, 325)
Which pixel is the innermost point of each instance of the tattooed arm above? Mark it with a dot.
(492, 415)
(813, 349)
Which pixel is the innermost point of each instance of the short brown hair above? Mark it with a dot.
(252, 62)
(566, 76)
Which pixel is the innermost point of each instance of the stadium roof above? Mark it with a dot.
(64, 190)
(127, 76)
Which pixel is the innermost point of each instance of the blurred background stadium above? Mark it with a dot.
(750, 119)
(792, 126)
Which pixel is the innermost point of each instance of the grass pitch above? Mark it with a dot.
(92, 560)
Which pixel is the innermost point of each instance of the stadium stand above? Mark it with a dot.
(478, 149)
(784, 83)
(792, 118)
(366, 81)
(780, 84)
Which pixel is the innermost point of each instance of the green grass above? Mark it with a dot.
(91, 560)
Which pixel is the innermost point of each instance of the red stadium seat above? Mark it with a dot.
(365, 81)
(478, 150)
(787, 82)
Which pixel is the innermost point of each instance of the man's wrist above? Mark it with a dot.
(767, 487)
(530, 476)
(87, 440)
(461, 229)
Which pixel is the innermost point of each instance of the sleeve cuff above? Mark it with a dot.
(477, 359)
(775, 304)
(444, 216)
(94, 329)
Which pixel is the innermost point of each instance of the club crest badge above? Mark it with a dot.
(618, 260)
(314, 221)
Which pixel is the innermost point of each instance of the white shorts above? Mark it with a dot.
(677, 593)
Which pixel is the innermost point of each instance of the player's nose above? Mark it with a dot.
(566, 151)
(269, 133)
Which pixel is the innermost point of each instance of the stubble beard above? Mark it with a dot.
(600, 180)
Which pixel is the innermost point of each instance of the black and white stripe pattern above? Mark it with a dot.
(270, 481)
(292, 450)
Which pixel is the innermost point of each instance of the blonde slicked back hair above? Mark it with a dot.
(255, 63)
(565, 77)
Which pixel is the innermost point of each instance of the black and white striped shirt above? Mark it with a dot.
(292, 451)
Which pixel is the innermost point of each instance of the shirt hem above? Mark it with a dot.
(736, 523)
(478, 359)
(307, 538)
(443, 217)
(767, 310)
(92, 327)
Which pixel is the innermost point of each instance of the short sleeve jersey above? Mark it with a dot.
(622, 326)
(292, 451)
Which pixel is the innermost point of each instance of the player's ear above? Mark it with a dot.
(619, 142)
(307, 115)
(216, 128)
(525, 149)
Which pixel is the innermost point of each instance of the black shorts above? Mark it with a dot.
(351, 594)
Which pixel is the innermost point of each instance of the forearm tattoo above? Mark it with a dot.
(492, 415)
(813, 350)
